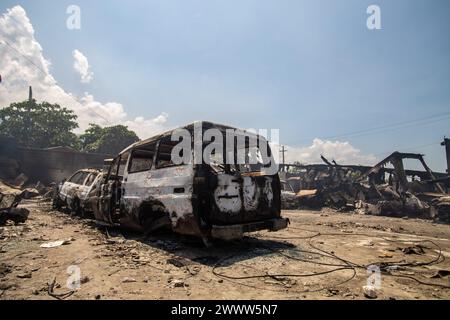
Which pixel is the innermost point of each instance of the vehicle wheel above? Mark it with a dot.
(56, 203)
(76, 207)
(207, 241)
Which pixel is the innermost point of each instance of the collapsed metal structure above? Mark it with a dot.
(386, 188)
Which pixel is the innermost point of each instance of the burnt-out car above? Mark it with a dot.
(289, 199)
(76, 191)
(146, 189)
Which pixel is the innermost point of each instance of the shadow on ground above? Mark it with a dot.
(186, 250)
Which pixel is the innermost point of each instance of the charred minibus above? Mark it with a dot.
(204, 179)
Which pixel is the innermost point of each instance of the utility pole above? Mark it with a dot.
(27, 119)
(446, 143)
(283, 151)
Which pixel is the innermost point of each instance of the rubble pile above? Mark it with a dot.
(10, 197)
(13, 192)
(377, 190)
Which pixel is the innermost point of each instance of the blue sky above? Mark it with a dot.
(310, 68)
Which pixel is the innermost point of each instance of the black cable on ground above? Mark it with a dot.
(383, 265)
(235, 278)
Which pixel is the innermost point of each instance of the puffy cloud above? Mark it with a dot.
(341, 152)
(22, 63)
(146, 128)
(81, 65)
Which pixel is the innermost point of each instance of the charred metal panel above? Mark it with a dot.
(70, 191)
(239, 199)
(148, 196)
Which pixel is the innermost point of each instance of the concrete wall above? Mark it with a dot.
(45, 165)
(54, 165)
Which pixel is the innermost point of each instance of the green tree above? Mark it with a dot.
(39, 125)
(110, 140)
(90, 135)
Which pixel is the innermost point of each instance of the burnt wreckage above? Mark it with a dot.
(386, 188)
(145, 189)
(76, 191)
(10, 197)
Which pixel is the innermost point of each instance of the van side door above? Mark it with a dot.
(107, 192)
(137, 209)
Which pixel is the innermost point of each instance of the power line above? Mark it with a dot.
(25, 57)
(388, 127)
(381, 129)
(410, 148)
(418, 122)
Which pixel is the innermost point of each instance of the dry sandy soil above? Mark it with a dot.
(297, 263)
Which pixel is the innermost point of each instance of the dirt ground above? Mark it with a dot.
(297, 263)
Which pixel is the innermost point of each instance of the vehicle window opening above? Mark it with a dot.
(78, 178)
(142, 159)
(250, 153)
(90, 180)
(75, 177)
(164, 156)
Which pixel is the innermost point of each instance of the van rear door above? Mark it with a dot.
(241, 198)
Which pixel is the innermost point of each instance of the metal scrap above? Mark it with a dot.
(373, 190)
(10, 197)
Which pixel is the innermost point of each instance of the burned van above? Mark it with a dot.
(203, 179)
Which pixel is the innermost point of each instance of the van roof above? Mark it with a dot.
(189, 127)
(90, 170)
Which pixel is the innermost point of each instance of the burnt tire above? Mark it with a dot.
(57, 204)
(76, 208)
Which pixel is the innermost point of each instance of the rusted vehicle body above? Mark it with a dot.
(145, 190)
(76, 191)
(289, 199)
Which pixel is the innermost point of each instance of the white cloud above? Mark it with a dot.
(341, 152)
(81, 65)
(30, 67)
(148, 127)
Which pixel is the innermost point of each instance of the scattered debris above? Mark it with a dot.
(370, 292)
(385, 254)
(176, 262)
(417, 249)
(4, 270)
(84, 279)
(57, 243)
(331, 292)
(60, 296)
(25, 275)
(194, 270)
(177, 283)
(20, 180)
(128, 280)
(40, 188)
(6, 286)
(10, 196)
(29, 193)
(17, 215)
(115, 240)
(441, 274)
